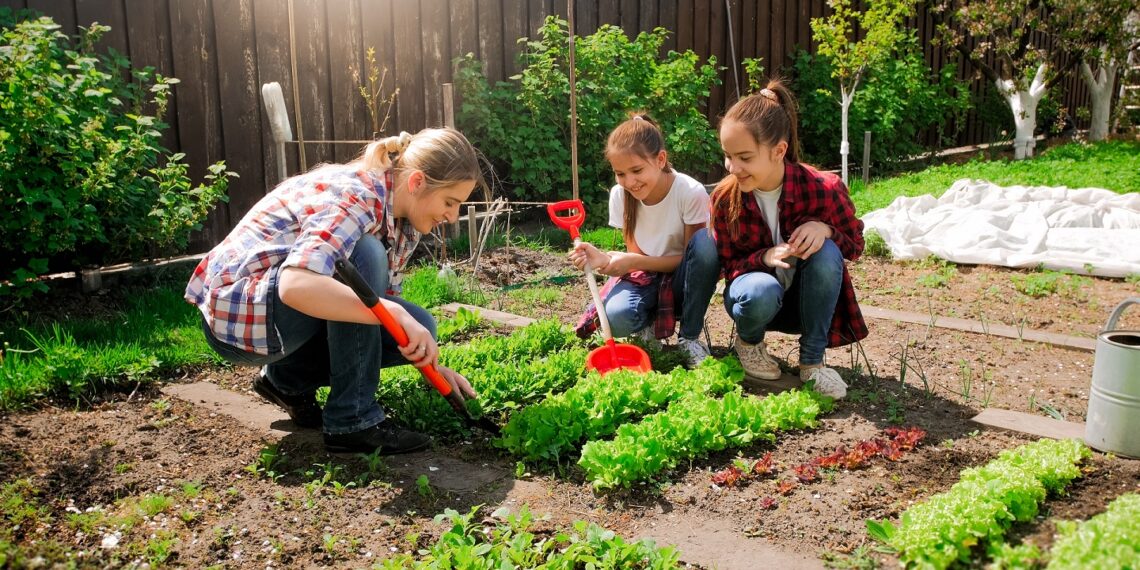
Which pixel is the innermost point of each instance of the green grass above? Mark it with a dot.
(156, 333)
(1112, 165)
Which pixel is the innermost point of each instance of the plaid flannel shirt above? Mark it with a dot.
(308, 221)
(809, 195)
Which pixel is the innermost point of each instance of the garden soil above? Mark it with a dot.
(154, 440)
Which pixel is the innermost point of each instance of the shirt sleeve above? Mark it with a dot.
(617, 207)
(331, 224)
(695, 207)
(847, 229)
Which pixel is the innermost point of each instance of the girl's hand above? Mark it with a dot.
(775, 256)
(619, 264)
(458, 383)
(809, 237)
(585, 253)
(421, 349)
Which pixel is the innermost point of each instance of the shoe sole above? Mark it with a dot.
(770, 377)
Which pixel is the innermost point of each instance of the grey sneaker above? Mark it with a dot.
(756, 361)
(695, 351)
(827, 380)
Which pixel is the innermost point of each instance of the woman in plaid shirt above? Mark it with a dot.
(782, 231)
(268, 296)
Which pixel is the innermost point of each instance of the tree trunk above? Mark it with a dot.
(1100, 92)
(845, 147)
(1023, 103)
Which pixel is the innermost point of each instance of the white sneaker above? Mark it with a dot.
(827, 380)
(695, 351)
(647, 337)
(756, 361)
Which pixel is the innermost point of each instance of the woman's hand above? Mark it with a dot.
(775, 256)
(421, 349)
(584, 253)
(809, 237)
(459, 384)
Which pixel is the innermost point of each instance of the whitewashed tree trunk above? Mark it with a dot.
(845, 98)
(1023, 103)
(1100, 91)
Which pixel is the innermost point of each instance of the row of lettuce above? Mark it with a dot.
(949, 528)
(630, 427)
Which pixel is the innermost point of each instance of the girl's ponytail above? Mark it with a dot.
(378, 154)
(771, 115)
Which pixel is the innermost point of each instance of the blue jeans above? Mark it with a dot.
(755, 301)
(631, 307)
(344, 356)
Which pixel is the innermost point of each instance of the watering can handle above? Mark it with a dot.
(1118, 311)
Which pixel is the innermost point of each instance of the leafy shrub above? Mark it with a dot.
(85, 178)
(901, 101)
(524, 124)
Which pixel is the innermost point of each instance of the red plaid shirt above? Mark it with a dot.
(809, 195)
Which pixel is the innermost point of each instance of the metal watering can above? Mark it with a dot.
(1113, 421)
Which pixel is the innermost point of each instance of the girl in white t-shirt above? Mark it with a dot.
(670, 261)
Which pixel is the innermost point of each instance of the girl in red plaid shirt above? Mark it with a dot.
(783, 230)
(669, 260)
(268, 296)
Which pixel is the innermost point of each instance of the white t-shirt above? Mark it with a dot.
(769, 203)
(660, 229)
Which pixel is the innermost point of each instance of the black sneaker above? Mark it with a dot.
(302, 409)
(389, 438)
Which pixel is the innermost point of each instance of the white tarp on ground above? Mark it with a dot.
(978, 222)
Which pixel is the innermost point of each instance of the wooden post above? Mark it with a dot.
(472, 233)
(866, 157)
(573, 104)
(449, 105)
(90, 280)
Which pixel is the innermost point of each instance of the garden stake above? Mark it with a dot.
(348, 273)
(604, 359)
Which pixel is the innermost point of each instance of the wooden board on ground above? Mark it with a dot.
(1030, 424)
(506, 319)
(1061, 340)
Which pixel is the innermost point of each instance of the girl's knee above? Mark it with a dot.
(827, 261)
(702, 252)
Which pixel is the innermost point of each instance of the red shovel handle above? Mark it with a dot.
(569, 222)
(352, 277)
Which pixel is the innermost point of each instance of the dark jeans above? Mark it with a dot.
(347, 357)
(631, 307)
(757, 302)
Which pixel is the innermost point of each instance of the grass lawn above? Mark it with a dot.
(1111, 165)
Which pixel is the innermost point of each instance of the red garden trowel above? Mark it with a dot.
(350, 276)
(604, 359)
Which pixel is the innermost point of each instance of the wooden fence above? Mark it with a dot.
(224, 50)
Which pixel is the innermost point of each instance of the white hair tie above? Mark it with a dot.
(769, 94)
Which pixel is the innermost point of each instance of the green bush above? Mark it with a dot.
(524, 126)
(901, 101)
(85, 180)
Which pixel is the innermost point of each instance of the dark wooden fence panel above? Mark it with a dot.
(223, 51)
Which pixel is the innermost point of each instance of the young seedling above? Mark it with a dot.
(423, 486)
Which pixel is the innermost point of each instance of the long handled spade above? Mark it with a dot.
(351, 276)
(604, 359)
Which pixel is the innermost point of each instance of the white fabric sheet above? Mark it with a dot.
(978, 222)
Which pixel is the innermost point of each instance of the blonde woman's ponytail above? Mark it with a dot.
(378, 154)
